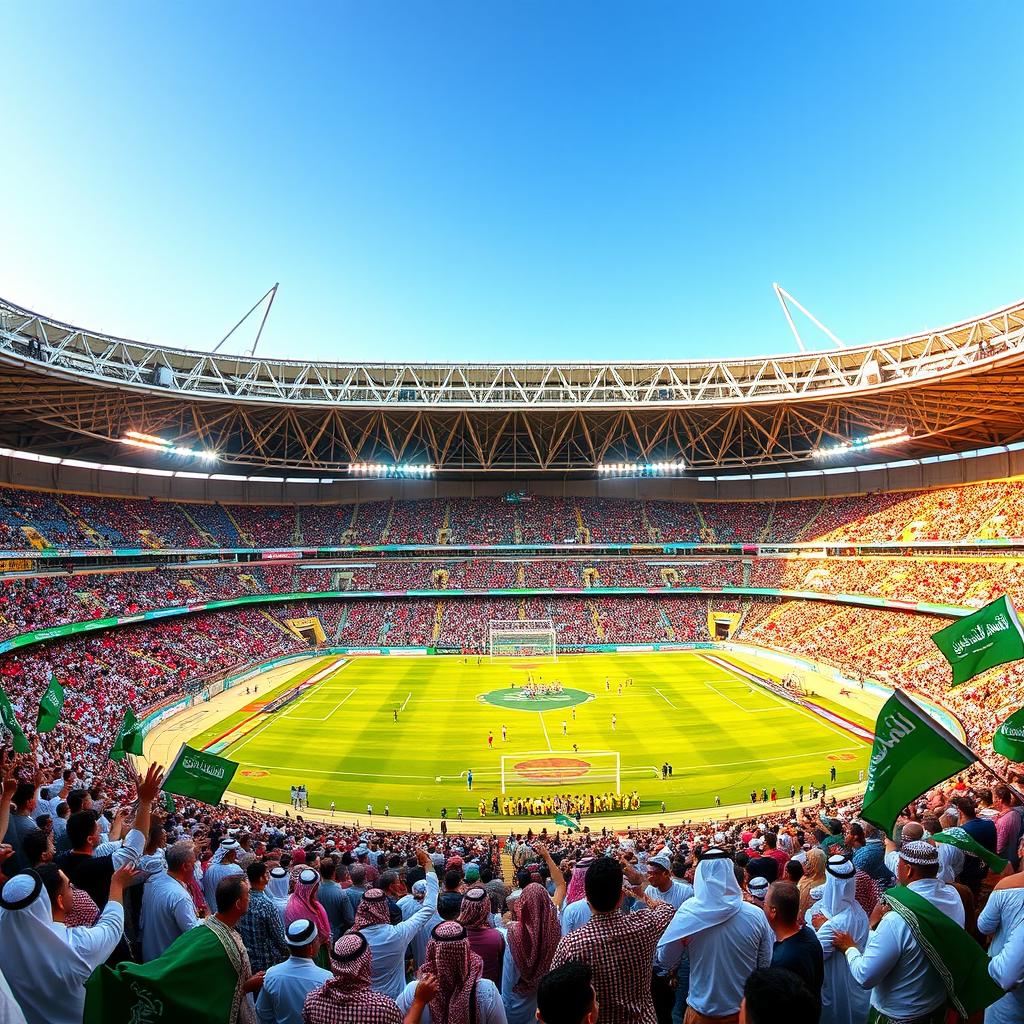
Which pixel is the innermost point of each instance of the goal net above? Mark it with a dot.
(521, 638)
(544, 770)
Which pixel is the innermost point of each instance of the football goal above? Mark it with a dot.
(521, 638)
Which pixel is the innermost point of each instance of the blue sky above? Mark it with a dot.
(512, 180)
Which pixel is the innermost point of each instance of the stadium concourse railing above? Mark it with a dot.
(153, 615)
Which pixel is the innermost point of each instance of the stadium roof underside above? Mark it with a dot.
(68, 391)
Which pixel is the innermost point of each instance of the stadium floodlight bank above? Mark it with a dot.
(521, 638)
(543, 769)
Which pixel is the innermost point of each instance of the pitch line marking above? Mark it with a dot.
(331, 672)
(406, 701)
(666, 700)
(485, 773)
(547, 739)
(323, 718)
(805, 711)
(749, 711)
(275, 718)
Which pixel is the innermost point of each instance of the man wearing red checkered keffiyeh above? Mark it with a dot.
(532, 938)
(457, 970)
(373, 909)
(347, 998)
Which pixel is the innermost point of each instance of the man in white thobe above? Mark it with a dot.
(167, 907)
(843, 1000)
(904, 985)
(727, 938)
(222, 865)
(45, 962)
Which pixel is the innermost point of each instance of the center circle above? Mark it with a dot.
(517, 698)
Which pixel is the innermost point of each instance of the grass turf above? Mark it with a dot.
(723, 736)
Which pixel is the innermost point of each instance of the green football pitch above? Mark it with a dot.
(722, 735)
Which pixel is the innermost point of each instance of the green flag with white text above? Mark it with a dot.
(199, 775)
(129, 737)
(49, 706)
(565, 821)
(10, 723)
(1008, 739)
(991, 636)
(911, 753)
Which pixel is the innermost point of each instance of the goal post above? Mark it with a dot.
(540, 769)
(521, 638)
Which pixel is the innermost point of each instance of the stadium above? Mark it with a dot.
(522, 614)
(315, 628)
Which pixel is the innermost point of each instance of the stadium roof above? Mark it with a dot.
(71, 391)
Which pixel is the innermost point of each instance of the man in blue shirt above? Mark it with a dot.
(285, 986)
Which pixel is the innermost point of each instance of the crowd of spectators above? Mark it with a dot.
(979, 511)
(777, 916)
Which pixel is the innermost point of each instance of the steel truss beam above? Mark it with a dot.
(70, 392)
(70, 353)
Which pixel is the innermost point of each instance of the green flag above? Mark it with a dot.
(193, 980)
(49, 706)
(10, 723)
(960, 963)
(990, 636)
(963, 840)
(129, 737)
(911, 753)
(169, 803)
(565, 821)
(199, 775)
(1009, 737)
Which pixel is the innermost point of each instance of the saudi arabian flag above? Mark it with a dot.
(565, 821)
(990, 636)
(911, 753)
(10, 723)
(199, 775)
(128, 739)
(49, 706)
(1009, 737)
(193, 980)
(963, 840)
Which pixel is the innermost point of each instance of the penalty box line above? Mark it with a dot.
(749, 711)
(272, 718)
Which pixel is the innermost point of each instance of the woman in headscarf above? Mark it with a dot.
(843, 1000)
(484, 939)
(303, 905)
(348, 998)
(461, 994)
(814, 875)
(531, 942)
(576, 909)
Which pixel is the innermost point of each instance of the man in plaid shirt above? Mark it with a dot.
(619, 948)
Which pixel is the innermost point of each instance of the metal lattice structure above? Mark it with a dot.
(68, 390)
